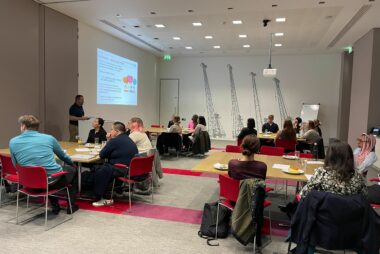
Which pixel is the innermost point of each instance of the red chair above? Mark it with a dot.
(34, 182)
(273, 151)
(233, 149)
(155, 126)
(139, 166)
(229, 190)
(303, 155)
(8, 172)
(239, 141)
(288, 145)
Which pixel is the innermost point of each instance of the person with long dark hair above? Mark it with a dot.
(249, 130)
(338, 174)
(288, 132)
(98, 131)
(297, 124)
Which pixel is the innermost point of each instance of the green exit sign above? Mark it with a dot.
(167, 57)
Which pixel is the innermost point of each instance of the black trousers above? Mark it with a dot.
(71, 178)
(374, 194)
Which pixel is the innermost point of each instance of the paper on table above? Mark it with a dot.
(308, 176)
(281, 166)
(315, 162)
(82, 156)
(82, 149)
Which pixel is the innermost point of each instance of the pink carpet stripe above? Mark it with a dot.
(167, 213)
(175, 171)
(218, 148)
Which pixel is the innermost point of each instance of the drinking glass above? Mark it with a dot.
(297, 154)
(96, 141)
(303, 164)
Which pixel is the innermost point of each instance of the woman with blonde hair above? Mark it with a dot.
(364, 154)
(138, 135)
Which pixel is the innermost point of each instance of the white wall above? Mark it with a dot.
(89, 40)
(304, 78)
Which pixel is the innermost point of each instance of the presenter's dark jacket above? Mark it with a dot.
(101, 135)
(270, 127)
(77, 111)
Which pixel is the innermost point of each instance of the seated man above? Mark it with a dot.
(119, 149)
(32, 148)
(270, 126)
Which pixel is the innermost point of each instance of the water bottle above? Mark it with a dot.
(315, 151)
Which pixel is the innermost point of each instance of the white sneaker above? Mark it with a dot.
(103, 202)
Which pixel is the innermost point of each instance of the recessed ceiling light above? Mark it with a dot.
(246, 46)
(230, 8)
(237, 22)
(152, 12)
(136, 26)
(217, 47)
(242, 36)
(274, 5)
(159, 25)
(280, 19)
(278, 45)
(155, 38)
(176, 38)
(190, 10)
(197, 24)
(188, 47)
(279, 34)
(322, 2)
(208, 37)
(118, 15)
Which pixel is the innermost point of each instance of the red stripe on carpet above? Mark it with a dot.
(175, 171)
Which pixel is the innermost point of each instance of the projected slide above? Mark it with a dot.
(117, 79)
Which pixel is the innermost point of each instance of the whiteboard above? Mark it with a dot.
(309, 111)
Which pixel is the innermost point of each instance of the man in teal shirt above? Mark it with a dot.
(32, 148)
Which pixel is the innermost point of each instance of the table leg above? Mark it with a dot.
(79, 178)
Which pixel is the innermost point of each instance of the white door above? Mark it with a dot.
(169, 99)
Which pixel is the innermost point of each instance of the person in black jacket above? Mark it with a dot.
(249, 130)
(119, 149)
(98, 131)
(270, 126)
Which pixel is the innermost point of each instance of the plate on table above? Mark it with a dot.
(221, 166)
(293, 171)
(290, 157)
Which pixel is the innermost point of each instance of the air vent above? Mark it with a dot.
(130, 35)
(358, 15)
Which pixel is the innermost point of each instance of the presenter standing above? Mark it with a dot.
(76, 113)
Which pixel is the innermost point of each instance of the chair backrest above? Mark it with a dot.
(7, 165)
(233, 149)
(273, 151)
(141, 165)
(303, 155)
(289, 145)
(229, 188)
(32, 177)
(239, 141)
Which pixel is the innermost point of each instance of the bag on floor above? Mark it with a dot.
(208, 226)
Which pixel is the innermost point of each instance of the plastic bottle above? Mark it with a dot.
(315, 151)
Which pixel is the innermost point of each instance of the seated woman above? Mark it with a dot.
(176, 128)
(193, 123)
(171, 122)
(365, 154)
(247, 166)
(338, 175)
(97, 132)
(138, 135)
(201, 126)
(249, 130)
(311, 135)
(297, 124)
(287, 133)
(317, 124)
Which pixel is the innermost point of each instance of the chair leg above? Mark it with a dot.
(69, 201)
(1, 189)
(46, 207)
(151, 180)
(270, 224)
(17, 206)
(130, 197)
(27, 201)
(113, 187)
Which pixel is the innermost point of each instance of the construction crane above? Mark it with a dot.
(259, 119)
(237, 121)
(280, 101)
(215, 128)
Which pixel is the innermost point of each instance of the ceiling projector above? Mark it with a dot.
(270, 73)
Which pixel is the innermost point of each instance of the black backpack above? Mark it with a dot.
(208, 226)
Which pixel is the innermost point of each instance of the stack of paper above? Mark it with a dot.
(82, 156)
(315, 162)
(281, 166)
(82, 149)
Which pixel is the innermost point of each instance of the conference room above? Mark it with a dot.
(176, 126)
